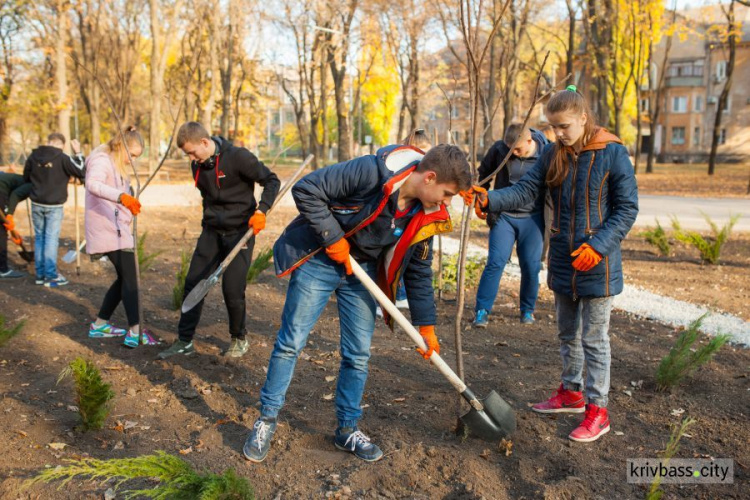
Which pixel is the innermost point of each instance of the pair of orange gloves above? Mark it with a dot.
(339, 253)
(257, 221)
(586, 257)
(10, 226)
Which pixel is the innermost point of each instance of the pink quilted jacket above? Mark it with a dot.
(108, 224)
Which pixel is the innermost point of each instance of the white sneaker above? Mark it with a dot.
(378, 312)
(402, 304)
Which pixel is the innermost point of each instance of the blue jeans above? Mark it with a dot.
(401, 290)
(583, 329)
(47, 222)
(310, 288)
(528, 232)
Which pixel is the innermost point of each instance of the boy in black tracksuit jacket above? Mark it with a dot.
(12, 191)
(226, 177)
(49, 170)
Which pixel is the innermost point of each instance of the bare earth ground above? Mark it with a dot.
(675, 179)
(204, 406)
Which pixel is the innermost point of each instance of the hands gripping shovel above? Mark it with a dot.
(490, 418)
(204, 286)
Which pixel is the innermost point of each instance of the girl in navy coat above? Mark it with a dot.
(590, 178)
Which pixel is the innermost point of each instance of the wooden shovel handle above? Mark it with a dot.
(386, 304)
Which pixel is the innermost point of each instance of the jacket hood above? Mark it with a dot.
(44, 154)
(600, 140)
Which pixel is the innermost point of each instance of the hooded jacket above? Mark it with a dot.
(15, 190)
(108, 224)
(597, 203)
(340, 200)
(227, 184)
(49, 169)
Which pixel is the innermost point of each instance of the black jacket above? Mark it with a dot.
(497, 153)
(14, 189)
(227, 184)
(49, 169)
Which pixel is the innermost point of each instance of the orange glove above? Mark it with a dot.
(429, 337)
(480, 202)
(586, 258)
(10, 224)
(16, 238)
(339, 253)
(257, 222)
(130, 203)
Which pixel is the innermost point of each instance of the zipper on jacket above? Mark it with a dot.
(588, 181)
(117, 221)
(599, 205)
(573, 217)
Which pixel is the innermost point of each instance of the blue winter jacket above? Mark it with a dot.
(597, 203)
(337, 201)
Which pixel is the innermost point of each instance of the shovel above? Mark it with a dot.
(25, 254)
(204, 286)
(490, 418)
(72, 255)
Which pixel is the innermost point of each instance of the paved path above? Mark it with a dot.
(688, 211)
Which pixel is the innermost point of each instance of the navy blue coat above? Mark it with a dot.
(597, 203)
(339, 200)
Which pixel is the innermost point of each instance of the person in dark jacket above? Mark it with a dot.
(226, 177)
(523, 226)
(383, 210)
(13, 190)
(49, 170)
(590, 178)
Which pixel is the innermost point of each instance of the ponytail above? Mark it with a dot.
(117, 149)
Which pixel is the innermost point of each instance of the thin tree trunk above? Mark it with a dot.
(61, 71)
(724, 96)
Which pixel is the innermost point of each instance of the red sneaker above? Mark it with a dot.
(564, 401)
(594, 426)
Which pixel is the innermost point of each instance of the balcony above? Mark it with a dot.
(685, 81)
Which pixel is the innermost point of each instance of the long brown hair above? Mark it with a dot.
(419, 139)
(562, 102)
(117, 152)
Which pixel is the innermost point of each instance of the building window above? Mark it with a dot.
(727, 104)
(697, 136)
(721, 70)
(644, 105)
(693, 68)
(698, 108)
(723, 136)
(454, 112)
(679, 104)
(678, 135)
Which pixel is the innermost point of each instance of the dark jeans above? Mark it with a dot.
(211, 249)
(125, 288)
(527, 232)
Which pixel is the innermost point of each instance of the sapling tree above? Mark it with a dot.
(92, 393)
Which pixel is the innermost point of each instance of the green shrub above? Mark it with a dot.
(474, 268)
(145, 259)
(654, 493)
(92, 393)
(658, 238)
(177, 479)
(179, 288)
(261, 262)
(8, 333)
(683, 358)
(709, 248)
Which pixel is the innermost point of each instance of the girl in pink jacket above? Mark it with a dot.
(110, 208)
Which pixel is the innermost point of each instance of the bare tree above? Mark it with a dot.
(731, 34)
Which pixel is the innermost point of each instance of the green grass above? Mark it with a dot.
(474, 268)
(709, 248)
(145, 259)
(261, 262)
(658, 238)
(654, 493)
(8, 333)
(686, 357)
(177, 480)
(92, 393)
(179, 288)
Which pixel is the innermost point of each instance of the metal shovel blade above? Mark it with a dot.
(198, 293)
(26, 255)
(496, 421)
(69, 256)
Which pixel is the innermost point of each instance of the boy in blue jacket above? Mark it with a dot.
(382, 209)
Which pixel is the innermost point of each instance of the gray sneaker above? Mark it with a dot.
(237, 348)
(259, 442)
(179, 347)
(11, 274)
